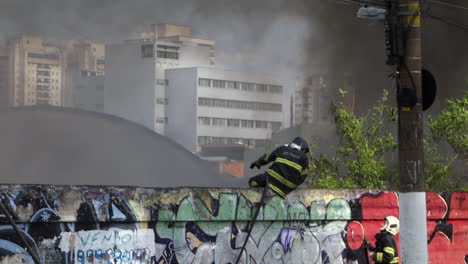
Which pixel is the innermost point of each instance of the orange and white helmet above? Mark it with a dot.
(392, 225)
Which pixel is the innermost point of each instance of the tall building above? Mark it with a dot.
(209, 106)
(35, 72)
(135, 83)
(313, 97)
(39, 71)
(84, 84)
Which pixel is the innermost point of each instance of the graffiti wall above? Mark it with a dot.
(78, 224)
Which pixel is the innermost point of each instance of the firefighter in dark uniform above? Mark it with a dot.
(385, 249)
(289, 169)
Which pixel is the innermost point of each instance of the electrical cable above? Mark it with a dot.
(448, 21)
(448, 5)
(260, 204)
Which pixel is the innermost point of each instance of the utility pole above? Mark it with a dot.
(410, 121)
(413, 236)
(403, 41)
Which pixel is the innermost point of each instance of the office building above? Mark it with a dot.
(209, 106)
(135, 84)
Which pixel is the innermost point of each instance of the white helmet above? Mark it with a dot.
(392, 225)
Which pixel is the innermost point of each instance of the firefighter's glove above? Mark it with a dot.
(254, 164)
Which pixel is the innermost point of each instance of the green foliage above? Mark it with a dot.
(365, 140)
(452, 123)
(359, 161)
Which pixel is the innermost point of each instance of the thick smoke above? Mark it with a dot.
(289, 38)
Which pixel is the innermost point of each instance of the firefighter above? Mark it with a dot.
(289, 169)
(385, 246)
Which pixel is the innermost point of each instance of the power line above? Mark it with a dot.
(449, 5)
(448, 21)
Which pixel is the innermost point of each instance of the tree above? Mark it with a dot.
(364, 141)
(360, 163)
(450, 126)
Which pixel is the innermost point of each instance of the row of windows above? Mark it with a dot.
(43, 73)
(213, 121)
(239, 104)
(168, 54)
(43, 56)
(202, 140)
(85, 73)
(244, 86)
(43, 95)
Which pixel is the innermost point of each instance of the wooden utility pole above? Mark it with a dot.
(410, 121)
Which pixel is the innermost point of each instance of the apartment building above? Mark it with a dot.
(209, 106)
(35, 72)
(135, 84)
(38, 71)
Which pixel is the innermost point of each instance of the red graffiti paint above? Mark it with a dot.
(459, 206)
(436, 206)
(376, 208)
(354, 235)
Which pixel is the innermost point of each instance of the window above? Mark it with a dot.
(248, 87)
(161, 120)
(218, 122)
(233, 122)
(275, 125)
(168, 55)
(261, 124)
(248, 123)
(206, 121)
(263, 88)
(147, 51)
(162, 100)
(230, 84)
(219, 84)
(162, 81)
(204, 82)
(219, 140)
(204, 140)
(276, 89)
(239, 104)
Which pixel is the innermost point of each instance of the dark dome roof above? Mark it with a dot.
(51, 145)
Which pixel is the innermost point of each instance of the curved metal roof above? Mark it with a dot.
(52, 145)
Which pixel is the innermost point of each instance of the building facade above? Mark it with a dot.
(85, 75)
(35, 72)
(38, 71)
(313, 97)
(135, 83)
(213, 106)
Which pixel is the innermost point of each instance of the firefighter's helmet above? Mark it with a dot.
(392, 225)
(300, 144)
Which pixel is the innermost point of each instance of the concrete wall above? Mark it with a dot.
(77, 224)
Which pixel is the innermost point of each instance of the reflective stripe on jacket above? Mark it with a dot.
(289, 169)
(385, 248)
